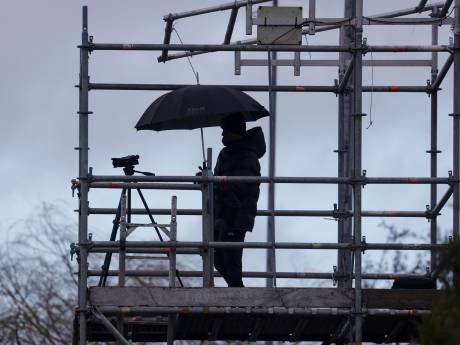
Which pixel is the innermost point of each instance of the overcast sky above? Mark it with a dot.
(39, 65)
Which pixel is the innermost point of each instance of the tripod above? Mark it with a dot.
(129, 171)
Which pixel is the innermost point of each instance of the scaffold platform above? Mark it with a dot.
(251, 314)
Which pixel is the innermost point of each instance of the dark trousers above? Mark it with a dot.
(228, 261)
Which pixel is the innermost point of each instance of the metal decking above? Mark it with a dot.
(251, 314)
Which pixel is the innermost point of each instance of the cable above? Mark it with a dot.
(289, 31)
(197, 77)
(195, 73)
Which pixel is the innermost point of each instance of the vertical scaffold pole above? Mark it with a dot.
(357, 168)
(211, 217)
(456, 123)
(83, 177)
(207, 224)
(272, 80)
(434, 142)
(173, 239)
(172, 268)
(344, 264)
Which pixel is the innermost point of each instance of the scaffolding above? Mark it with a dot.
(332, 315)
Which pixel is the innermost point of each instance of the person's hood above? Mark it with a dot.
(253, 140)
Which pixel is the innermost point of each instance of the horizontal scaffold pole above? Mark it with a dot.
(196, 244)
(278, 213)
(198, 212)
(263, 88)
(165, 250)
(335, 63)
(262, 245)
(421, 7)
(219, 179)
(264, 179)
(250, 274)
(168, 186)
(222, 7)
(257, 310)
(263, 48)
(407, 49)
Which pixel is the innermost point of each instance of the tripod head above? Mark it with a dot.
(128, 163)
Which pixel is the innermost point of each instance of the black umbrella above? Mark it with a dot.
(198, 106)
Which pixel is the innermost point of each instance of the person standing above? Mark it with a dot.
(235, 204)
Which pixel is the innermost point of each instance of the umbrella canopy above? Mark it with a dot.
(198, 106)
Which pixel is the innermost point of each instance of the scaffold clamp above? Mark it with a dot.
(75, 184)
(451, 177)
(427, 272)
(334, 276)
(364, 177)
(74, 250)
(363, 245)
(365, 47)
(335, 212)
(428, 213)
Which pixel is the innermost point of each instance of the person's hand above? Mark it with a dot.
(199, 173)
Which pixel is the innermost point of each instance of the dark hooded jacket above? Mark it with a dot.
(235, 204)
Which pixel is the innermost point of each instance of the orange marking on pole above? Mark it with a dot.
(167, 250)
(400, 50)
(222, 179)
(299, 88)
(114, 185)
(393, 88)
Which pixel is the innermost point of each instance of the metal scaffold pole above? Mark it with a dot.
(456, 123)
(357, 167)
(208, 222)
(172, 269)
(344, 152)
(434, 142)
(83, 175)
(272, 81)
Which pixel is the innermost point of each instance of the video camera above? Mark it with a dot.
(127, 163)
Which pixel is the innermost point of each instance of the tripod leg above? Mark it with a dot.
(149, 213)
(113, 236)
(158, 231)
